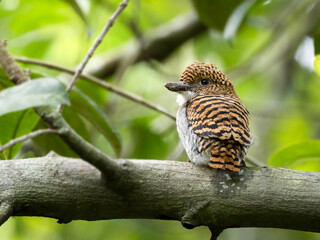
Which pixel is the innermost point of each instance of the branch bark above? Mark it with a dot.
(13, 70)
(71, 189)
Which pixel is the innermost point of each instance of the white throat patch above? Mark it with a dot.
(184, 97)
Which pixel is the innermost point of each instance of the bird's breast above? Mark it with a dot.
(188, 138)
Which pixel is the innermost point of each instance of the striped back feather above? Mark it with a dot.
(222, 123)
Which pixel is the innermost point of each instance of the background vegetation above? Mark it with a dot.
(268, 48)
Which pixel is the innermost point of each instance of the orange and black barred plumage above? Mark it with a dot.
(222, 126)
(212, 122)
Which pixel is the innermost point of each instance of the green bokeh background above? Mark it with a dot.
(282, 94)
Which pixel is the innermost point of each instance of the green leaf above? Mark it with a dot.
(39, 92)
(315, 34)
(236, 18)
(303, 156)
(147, 143)
(2, 156)
(316, 64)
(78, 10)
(317, 44)
(215, 13)
(91, 111)
(14, 125)
(4, 80)
(76, 122)
(51, 142)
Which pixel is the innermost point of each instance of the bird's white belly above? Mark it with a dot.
(189, 139)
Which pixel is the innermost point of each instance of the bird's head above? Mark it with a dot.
(202, 79)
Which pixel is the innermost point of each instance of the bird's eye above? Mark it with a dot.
(205, 81)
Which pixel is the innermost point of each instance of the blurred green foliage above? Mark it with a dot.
(301, 156)
(82, 104)
(14, 125)
(317, 64)
(266, 47)
(39, 92)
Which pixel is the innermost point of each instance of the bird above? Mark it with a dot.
(212, 122)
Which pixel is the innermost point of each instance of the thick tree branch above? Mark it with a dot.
(70, 189)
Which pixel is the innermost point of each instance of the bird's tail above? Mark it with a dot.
(226, 154)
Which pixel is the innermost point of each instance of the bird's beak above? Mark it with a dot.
(177, 86)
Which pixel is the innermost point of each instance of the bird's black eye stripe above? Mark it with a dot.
(205, 81)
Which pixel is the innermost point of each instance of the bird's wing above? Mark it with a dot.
(219, 117)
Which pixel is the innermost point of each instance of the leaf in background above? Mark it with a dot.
(78, 10)
(14, 125)
(147, 143)
(303, 156)
(77, 124)
(316, 43)
(2, 156)
(316, 64)
(215, 13)
(91, 111)
(51, 142)
(4, 80)
(39, 92)
(315, 34)
(98, 95)
(236, 18)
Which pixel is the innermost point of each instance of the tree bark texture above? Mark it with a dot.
(70, 189)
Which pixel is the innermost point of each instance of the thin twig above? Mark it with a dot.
(28, 136)
(101, 83)
(97, 42)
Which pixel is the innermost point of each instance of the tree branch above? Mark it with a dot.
(101, 83)
(158, 44)
(53, 117)
(70, 189)
(26, 137)
(12, 69)
(108, 166)
(97, 42)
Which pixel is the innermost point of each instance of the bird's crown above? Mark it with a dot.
(209, 77)
(198, 71)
